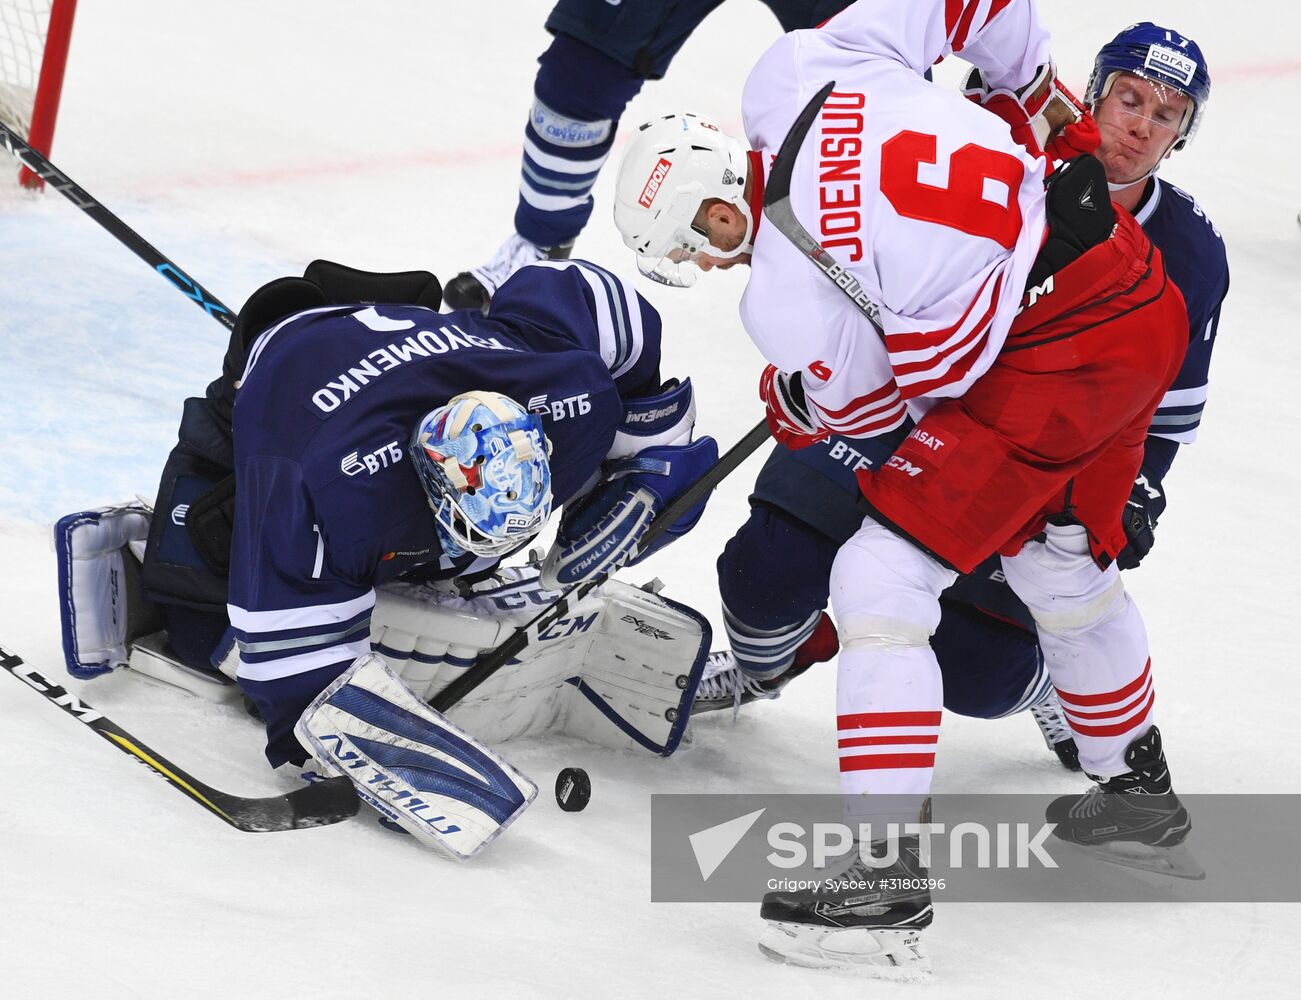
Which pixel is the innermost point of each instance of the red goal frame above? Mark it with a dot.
(49, 85)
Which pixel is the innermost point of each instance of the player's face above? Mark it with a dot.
(1139, 121)
(726, 229)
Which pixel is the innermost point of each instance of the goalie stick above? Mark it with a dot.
(320, 804)
(125, 235)
(528, 632)
(777, 209)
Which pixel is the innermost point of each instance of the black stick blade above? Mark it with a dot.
(321, 804)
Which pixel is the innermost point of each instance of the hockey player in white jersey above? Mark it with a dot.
(601, 55)
(1149, 88)
(1031, 335)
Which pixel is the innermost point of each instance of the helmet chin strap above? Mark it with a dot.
(1130, 184)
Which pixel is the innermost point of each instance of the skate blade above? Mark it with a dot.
(1176, 862)
(886, 952)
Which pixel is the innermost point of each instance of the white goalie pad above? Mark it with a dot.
(436, 781)
(106, 621)
(621, 669)
(100, 605)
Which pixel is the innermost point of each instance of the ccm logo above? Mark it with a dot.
(653, 183)
(903, 465)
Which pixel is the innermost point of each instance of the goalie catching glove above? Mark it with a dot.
(1044, 116)
(653, 462)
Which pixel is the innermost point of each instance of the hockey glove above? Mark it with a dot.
(788, 414)
(1044, 116)
(1146, 503)
(667, 418)
(604, 530)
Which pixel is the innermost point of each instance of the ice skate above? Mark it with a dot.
(725, 685)
(1056, 730)
(474, 289)
(858, 917)
(1133, 820)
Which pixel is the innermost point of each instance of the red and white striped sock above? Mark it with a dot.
(1103, 676)
(888, 721)
(1106, 722)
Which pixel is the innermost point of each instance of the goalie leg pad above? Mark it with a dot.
(433, 779)
(101, 607)
(620, 669)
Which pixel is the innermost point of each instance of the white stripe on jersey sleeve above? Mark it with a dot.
(313, 616)
(618, 314)
(551, 202)
(1179, 427)
(1184, 397)
(301, 663)
(265, 337)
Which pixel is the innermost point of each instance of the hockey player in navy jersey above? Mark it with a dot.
(803, 505)
(601, 56)
(359, 437)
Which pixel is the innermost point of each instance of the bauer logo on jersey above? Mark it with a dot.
(653, 182)
(1171, 62)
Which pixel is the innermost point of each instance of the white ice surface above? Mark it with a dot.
(246, 138)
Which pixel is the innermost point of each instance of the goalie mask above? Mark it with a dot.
(483, 462)
(673, 165)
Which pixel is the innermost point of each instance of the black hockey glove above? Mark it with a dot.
(1146, 504)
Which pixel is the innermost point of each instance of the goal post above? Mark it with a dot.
(34, 40)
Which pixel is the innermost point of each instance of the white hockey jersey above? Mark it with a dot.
(920, 194)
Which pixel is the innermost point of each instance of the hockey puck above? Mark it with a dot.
(573, 789)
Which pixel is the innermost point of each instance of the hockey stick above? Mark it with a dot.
(529, 632)
(326, 802)
(125, 235)
(777, 209)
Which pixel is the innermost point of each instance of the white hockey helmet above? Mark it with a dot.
(673, 165)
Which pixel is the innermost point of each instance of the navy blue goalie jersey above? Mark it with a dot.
(328, 501)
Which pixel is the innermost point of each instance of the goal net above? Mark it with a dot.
(34, 38)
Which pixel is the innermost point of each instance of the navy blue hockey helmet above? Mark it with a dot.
(1160, 55)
